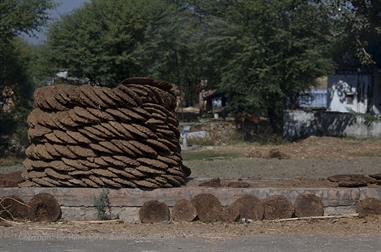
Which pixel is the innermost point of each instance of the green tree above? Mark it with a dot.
(266, 53)
(359, 33)
(108, 41)
(98, 41)
(17, 17)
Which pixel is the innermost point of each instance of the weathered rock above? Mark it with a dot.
(277, 207)
(209, 208)
(307, 205)
(368, 206)
(154, 212)
(184, 211)
(249, 207)
(44, 207)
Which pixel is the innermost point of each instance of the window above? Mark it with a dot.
(350, 98)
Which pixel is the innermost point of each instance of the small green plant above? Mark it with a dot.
(102, 204)
(369, 119)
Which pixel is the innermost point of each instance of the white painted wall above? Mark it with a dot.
(300, 124)
(344, 88)
(376, 106)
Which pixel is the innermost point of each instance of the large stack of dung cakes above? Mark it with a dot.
(91, 136)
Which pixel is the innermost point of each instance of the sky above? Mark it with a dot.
(63, 7)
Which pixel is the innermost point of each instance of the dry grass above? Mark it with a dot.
(317, 148)
(326, 148)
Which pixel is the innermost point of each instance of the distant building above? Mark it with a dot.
(354, 92)
(316, 96)
(64, 77)
(351, 96)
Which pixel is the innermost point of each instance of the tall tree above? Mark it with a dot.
(359, 32)
(108, 41)
(267, 52)
(17, 17)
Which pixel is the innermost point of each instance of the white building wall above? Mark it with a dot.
(349, 92)
(376, 106)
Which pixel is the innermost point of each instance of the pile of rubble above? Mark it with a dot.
(90, 136)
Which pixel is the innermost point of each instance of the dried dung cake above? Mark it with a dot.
(91, 136)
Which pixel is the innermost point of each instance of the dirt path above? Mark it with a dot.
(286, 243)
(349, 226)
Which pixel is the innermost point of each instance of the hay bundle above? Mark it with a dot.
(88, 136)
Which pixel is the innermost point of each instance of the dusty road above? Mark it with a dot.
(255, 243)
(348, 234)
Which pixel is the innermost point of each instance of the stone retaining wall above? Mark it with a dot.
(78, 203)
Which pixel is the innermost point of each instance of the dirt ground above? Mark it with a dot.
(344, 226)
(313, 148)
(311, 158)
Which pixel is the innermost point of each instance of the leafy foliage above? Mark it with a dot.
(268, 52)
(359, 34)
(17, 17)
(261, 54)
(102, 204)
